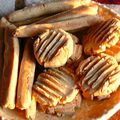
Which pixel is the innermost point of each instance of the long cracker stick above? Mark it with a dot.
(68, 25)
(10, 70)
(1, 50)
(26, 77)
(30, 113)
(70, 14)
(46, 8)
(29, 21)
(5, 23)
(1, 58)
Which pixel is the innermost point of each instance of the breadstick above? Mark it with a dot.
(71, 25)
(30, 113)
(29, 21)
(1, 51)
(26, 77)
(10, 70)
(5, 23)
(75, 12)
(1, 58)
(43, 9)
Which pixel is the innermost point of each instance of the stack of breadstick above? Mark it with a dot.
(43, 35)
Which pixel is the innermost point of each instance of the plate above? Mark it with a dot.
(100, 110)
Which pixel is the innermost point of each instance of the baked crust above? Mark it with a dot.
(1, 58)
(10, 70)
(70, 14)
(101, 36)
(53, 48)
(56, 85)
(98, 76)
(26, 77)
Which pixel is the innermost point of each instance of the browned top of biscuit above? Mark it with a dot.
(53, 48)
(111, 85)
(102, 36)
(94, 71)
(56, 85)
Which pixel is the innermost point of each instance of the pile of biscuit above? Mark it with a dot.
(53, 55)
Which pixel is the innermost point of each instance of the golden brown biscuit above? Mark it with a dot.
(99, 76)
(76, 56)
(102, 36)
(53, 48)
(73, 61)
(114, 51)
(111, 85)
(55, 86)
